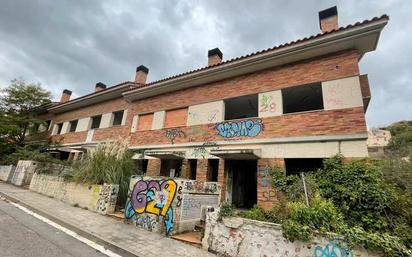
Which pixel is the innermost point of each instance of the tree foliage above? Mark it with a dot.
(17, 102)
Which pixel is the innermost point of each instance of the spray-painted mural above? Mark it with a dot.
(107, 199)
(172, 134)
(331, 250)
(153, 197)
(169, 205)
(244, 128)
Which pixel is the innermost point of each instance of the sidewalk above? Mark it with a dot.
(112, 232)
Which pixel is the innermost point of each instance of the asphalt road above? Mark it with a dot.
(22, 235)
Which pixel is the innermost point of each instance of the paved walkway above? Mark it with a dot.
(127, 237)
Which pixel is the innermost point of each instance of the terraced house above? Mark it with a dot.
(291, 105)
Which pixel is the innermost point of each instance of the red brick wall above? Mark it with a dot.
(333, 122)
(176, 118)
(114, 132)
(153, 167)
(267, 196)
(346, 121)
(201, 169)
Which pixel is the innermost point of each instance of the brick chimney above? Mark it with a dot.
(215, 56)
(99, 87)
(65, 96)
(141, 74)
(328, 19)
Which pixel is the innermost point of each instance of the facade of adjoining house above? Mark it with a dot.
(378, 139)
(291, 105)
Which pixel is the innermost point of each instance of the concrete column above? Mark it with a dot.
(153, 167)
(267, 196)
(221, 178)
(201, 170)
(185, 169)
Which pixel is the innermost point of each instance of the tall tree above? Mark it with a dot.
(17, 102)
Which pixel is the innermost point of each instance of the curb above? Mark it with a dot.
(104, 242)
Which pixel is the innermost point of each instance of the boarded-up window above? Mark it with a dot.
(176, 118)
(145, 122)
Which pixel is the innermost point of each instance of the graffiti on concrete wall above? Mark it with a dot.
(264, 174)
(267, 104)
(152, 197)
(244, 128)
(172, 134)
(107, 199)
(331, 250)
(193, 203)
(201, 151)
(201, 187)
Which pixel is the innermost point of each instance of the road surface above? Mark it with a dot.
(23, 235)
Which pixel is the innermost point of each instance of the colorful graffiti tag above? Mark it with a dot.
(152, 197)
(331, 250)
(244, 128)
(172, 134)
(267, 104)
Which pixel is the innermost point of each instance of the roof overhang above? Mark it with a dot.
(168, 155)
(97, 97)
(362, 37)
(237, 154)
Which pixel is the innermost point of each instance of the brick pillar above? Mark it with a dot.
(201, 170)
(185, 169)
(221, 179)
(266, 194)
(153, 167)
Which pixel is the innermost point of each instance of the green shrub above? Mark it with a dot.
(110, 163)
(226, 210)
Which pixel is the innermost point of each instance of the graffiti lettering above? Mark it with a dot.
(153, 197)
(213, 115)
(107, 199)
(331, 250)
(172, 134)
(264, 173)
(245, 128)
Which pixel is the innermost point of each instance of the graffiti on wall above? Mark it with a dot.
(267, 104)
(172, 134)
(331, 250)
(192, 205)
(201, 187)
(244, 128)
(152, 197)
(107, 199)
(201, 151)
(264, 174)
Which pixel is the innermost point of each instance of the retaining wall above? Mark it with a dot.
(98, 198)
(6, 172)
(169, 206)
(244, 237)
(23, 173)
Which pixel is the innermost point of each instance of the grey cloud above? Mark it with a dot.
(74, 44)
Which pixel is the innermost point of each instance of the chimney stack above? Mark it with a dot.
(65, 96)
(99, 87)
(215, 56)
(141, 74)
(328, 19)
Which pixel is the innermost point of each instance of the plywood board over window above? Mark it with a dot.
(145, 122)
(176, 118)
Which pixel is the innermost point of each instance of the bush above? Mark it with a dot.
(110, 163)
(226, 210)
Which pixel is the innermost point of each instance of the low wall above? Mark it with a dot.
(169, 206)
(6, 172)
(244, 237)
(23, 173)
(98, 198)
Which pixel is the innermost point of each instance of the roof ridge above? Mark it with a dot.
(359, 23)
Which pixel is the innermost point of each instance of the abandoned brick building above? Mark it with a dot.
(291, 105)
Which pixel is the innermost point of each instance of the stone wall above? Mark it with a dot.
(244, 237)
(6, 172)
(23, 173)
(169, 206)
(98, 198)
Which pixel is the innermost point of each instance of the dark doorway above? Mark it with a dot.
(171, 168)
(244, 182)
(213, 167)
(192, 168)
(141, 166)
(296, 165)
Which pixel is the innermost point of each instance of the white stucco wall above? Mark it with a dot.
(206, 113)
(158, 120)
(243, 237)
(134, 123)
(342, 93)
(83, 124)
(107, 120)
(270, 104)
(65, 127)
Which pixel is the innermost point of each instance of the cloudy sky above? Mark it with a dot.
(74, 44)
